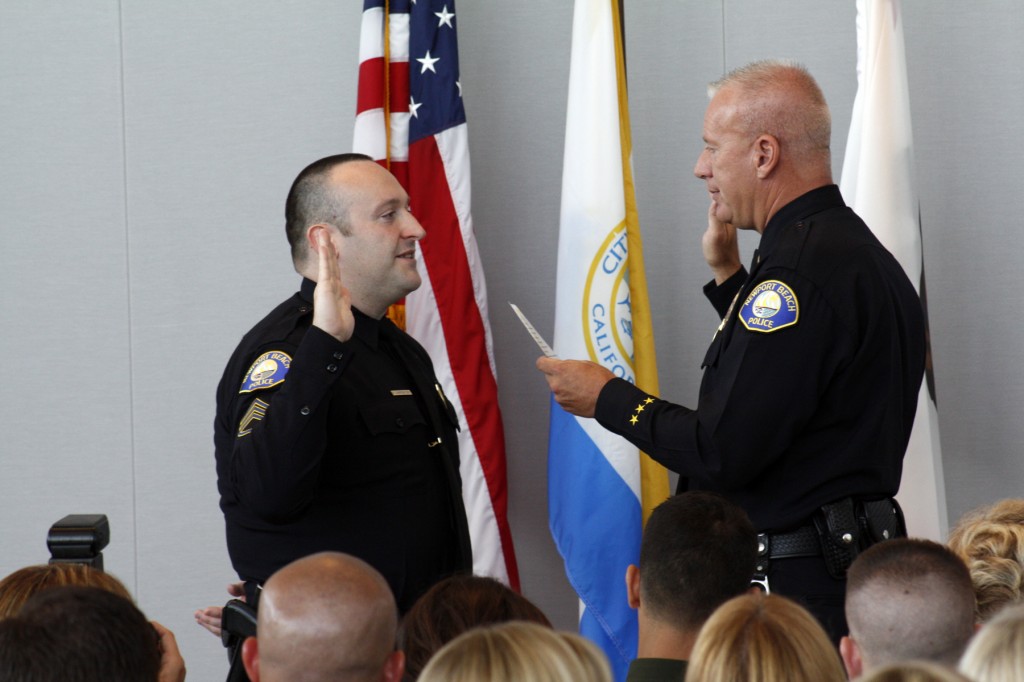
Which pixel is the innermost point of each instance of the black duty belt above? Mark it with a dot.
(838, 532)
(802, 542)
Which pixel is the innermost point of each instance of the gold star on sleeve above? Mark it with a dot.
(635, 418)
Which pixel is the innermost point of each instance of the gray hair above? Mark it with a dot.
(782, 99)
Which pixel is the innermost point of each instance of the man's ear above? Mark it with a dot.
(251, 658)
(766, 155)
(633, 586)
(850, 653)
(394, 667)
(313, 234)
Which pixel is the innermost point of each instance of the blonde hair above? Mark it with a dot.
(517, 652)
(990, 540)
(18, 587)
(763, 638)
(996, 654)
(913, 671)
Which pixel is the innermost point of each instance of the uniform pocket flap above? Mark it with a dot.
(395, 416)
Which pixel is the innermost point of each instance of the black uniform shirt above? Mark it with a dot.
(323, 445)
(809, 392)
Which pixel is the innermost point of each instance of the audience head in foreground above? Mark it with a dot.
(17, 587)
(990, 540)
(698, 551)
(80, 634)
(453, 606)
(996, 654)
(327, 617)
(763, 638)
(914, 671)
(906, 599)
(517, 652)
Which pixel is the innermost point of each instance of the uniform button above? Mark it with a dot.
(304, 309)
(800, 225)
(338, 355)
(304, 411)
(400, 423)
(332, 367)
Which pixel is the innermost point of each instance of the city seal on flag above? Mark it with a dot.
(268, 370)
(771, 306)
(607, 315)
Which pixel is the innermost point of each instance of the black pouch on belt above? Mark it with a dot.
(880, 520)
(839, 533)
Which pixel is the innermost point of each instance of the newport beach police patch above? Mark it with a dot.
(268, 370)
(771, 306)
(607, 313)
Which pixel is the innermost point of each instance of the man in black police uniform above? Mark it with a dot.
(811, 382)
(332, 432)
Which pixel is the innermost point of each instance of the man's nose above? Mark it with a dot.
(413, 229)
(702, 169)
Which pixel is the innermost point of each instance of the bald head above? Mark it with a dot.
(329, 616)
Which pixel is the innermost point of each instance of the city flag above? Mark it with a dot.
(410, 117)
(878, 183)
(600, 487)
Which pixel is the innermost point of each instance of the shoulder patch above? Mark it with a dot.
(268, 370)
(771, 306)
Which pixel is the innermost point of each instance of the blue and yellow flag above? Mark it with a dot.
(600, 487)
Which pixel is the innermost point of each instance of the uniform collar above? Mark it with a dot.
(367, 329)
(802, 207)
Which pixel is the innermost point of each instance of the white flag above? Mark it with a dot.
(878, 183)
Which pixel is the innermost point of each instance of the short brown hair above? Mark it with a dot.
(453, 606)
(909, 598)
(16, 588)
(311, 201)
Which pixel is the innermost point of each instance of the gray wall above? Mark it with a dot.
(145, 150)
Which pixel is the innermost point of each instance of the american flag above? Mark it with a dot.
(410, 117)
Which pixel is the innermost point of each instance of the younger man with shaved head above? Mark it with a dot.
(906, 600)
(329, 617)
(332, 431)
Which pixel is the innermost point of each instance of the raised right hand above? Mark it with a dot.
(721, 248)
(332, 309)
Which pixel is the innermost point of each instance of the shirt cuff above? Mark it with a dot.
(721, 295)
(616, 401)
